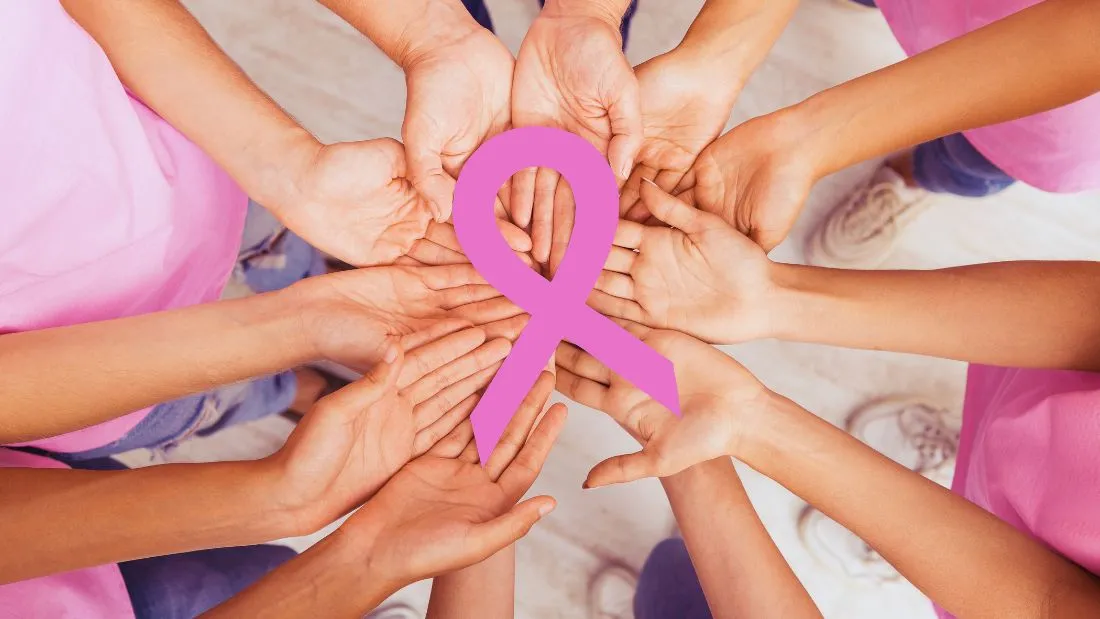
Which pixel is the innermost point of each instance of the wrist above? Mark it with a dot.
(817, 125)
(608, 11)
(444, 24)
(760, 427)
(798, 303)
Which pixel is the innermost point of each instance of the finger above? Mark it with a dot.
(620, 260)
(519, 426)
(469, 454)
(686, 184)
(447, 441)
(372, 387)
(450, 276)
(516, 238)
(443, 234)
(622, 469)
(428, 253)
(406, 261)
(582, 390)
(433, 410)
(582, 364)
(616, 307)
(523, 197)
(465, 295)
(671, 210)
(501, 532)
(433, 331)
(425, 168)
(516, 478)
(423, 360)
(564, 214)
(629, 196)
(489, 311)
(625, 114)
(616, 284)
(542, 215)
(436, 381)
(669, 180)
(451, 445)
(629, 235)
(639, 213)
(509, 328)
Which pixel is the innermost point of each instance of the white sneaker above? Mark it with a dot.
(396, 610)
(611, 593)
(911, 431)
(837, 548)
(861, 232)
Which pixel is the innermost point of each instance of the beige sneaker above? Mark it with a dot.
(862, 231)
(611, 593)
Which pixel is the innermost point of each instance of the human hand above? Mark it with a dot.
(459, 95)
(352, 317)
(684, 108)
(700, 276)
(353, 440)
(756, 177)
(718, 400)
(444, 511)
(571, 74)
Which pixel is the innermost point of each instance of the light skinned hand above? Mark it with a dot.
(444, 511)
(755, 177)
(700, 276)
(459, 95)
(352, 441)
(571, 74)
(684, 108)
(353, 317)
(717, 395)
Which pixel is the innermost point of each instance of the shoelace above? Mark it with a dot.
(925, 429)
(874, 211)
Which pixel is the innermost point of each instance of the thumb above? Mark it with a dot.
(625, 114)
(374, 385)
(503, 531)
(428, 177)
(670, 210)
(622, 469)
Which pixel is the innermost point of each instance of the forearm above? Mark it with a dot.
(331, 579)
(739, 567)
(58, 380)
(1036, 60)
(164, 56)
(1016, 314)
(734, 36)
(58, 520)
(486, 589)
(406, 30)
(964, 558)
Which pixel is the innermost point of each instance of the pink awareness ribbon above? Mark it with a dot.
(557, 308)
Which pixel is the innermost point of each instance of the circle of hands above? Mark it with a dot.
(431, 333)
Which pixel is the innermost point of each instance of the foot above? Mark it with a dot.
(913, 432)
(838, 549)
(862, 231)
(396, 610)
(611, 593)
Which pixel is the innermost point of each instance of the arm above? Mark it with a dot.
(163, 55)
(732, 37)
(486, 589)
(61, 520)
(1017, 314)
(1038, 59)
(739, 567)
(964, 558)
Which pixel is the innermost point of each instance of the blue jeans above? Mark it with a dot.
(480, 12)
(271, 258)
(668, 587)
(952, 165)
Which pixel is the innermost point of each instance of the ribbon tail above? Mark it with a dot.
(512, 384)
(627, 356)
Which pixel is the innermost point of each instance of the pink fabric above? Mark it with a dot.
(1030, 454)
(1057, 150)
(109, 212)
(91, 593)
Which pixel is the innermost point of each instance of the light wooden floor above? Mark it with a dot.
(342, 88)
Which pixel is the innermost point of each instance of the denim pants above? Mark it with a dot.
(668, 587)
(480, 12)
(271, 258)
(952, 165)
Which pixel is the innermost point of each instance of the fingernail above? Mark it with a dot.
(391, 354)
(650, 182)
(546, 509)
(586, 485)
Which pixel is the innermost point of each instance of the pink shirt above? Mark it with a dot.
(1057, 150)
(1030, 454)
(108, 211)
